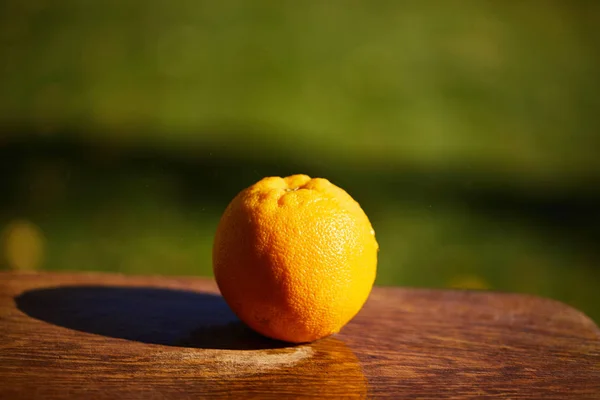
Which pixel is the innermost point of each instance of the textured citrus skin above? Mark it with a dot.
(295, 258)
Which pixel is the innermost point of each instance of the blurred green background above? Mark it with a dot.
(467, 130)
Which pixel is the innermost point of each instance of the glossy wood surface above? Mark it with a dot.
(103, 336)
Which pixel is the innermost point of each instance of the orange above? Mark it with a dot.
(295, 258)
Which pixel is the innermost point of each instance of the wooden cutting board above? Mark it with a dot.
(106, 336)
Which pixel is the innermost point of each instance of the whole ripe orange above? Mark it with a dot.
(295, 258)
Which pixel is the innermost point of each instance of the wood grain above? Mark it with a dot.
(102, 336)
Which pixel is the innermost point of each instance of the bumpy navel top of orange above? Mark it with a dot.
(295, 258)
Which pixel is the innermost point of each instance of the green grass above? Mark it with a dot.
(467, 130)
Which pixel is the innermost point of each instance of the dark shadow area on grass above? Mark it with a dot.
(100, 173)
(145, 314)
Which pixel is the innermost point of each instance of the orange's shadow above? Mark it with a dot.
(220, 354)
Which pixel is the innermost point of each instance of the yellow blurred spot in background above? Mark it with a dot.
(472, 282)
(23, 245)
